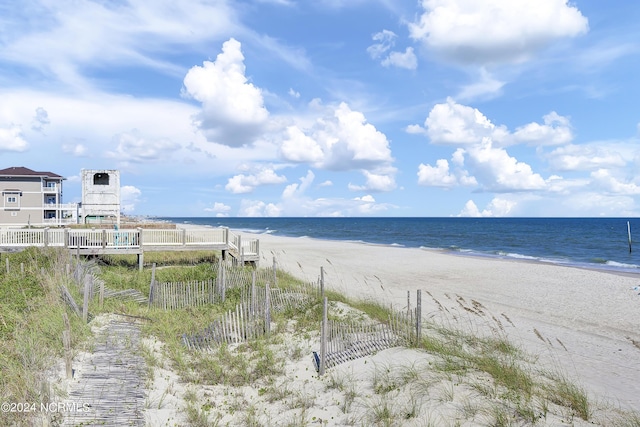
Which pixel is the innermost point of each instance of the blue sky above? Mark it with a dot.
(330, 107)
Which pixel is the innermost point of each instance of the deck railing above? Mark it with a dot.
(139, 238)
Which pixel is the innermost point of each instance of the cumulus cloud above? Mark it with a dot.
(497, 171)
(257, 208)
(456, 124)
(376, 182)
(342, 140)
(495, 31)
(220, 209)
(247, 183)
(11, 139)
(496, 208)
(129, 198)
(452, 123)
(298, 147)
(556, 130)
(133, 147)
(233, 111)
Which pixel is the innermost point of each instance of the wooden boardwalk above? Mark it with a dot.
(109, 388)
(133, 241)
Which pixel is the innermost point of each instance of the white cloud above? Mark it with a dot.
(406, 59)
(129, 198)
(256, 208)
(295, 190)
(376, 182)
(555, 131)
(294, 93)
(604, 181)
(585, 157)
(60, 38)
(381, 50)
(457, 124)
(385, 40)
(498, 207)
(485, 87)
(358, 144)
(298, 147)
(342, 140)
(11, 139)
(247, 183)
(437, 176)
(220, 209)
(495, 31)
(76, 150)
(133, 147)
(233, 111)
(497, 171)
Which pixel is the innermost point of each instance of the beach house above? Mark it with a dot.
(31, 198)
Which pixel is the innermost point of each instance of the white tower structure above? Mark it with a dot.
(100, 195)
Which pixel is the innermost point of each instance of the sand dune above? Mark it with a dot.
(585, 323)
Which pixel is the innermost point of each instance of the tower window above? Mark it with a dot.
(101, 179)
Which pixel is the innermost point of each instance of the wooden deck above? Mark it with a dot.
(133, 241)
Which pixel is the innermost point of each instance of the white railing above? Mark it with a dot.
(184, 237)
(129, 239)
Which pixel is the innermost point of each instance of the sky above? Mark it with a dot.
(493, 108)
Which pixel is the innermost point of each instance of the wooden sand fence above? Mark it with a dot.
(226, 275)
(251, 318)
(342, 341)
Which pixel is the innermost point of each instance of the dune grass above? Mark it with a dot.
(458, 366)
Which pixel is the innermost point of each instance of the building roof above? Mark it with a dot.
(22, 171)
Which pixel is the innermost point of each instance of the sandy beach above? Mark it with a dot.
(582, 322)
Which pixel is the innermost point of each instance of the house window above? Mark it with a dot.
(12, 199)
(51, 200)
(101, 179)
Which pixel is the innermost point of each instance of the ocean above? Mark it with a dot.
(600, 243)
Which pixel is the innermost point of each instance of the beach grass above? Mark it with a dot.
(457, 374)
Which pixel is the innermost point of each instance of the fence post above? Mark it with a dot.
(104, 238)
(66, 237)
(66, 341)
(85, 304)
(223, 284)
(184, 237)
(101, 293)
(45, 237)
(267, 310)
(418, 316)
(141, 253)
(151, 286)
(242, 257)
(253, 293)
(322, 282)
(323, 338)
(275, 283)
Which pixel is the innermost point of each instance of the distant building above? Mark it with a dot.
(33, 198)
(100, 196)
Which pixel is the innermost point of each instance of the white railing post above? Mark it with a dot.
(45, 237)
(184, 237)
